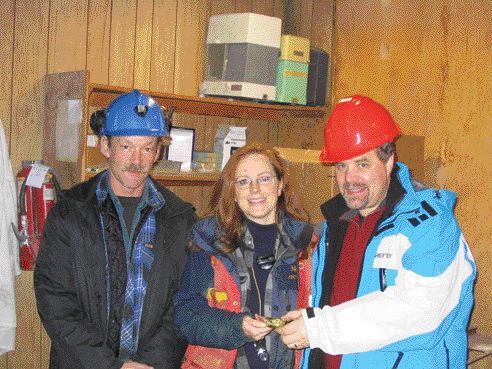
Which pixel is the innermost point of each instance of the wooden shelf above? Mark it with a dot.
(77, 85)
(180, 179)
(102, 95)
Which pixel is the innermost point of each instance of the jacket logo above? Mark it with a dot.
(217, 296)
(390, 252)
(427, 211)
(384, 255)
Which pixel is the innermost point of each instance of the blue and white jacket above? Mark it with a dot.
(415, 291)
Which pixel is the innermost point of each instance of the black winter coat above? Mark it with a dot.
(69, 282)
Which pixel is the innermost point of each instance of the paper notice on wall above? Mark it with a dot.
(36, 175)
(181, 147)
(68, 122)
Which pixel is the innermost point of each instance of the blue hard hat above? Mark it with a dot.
(134, 114)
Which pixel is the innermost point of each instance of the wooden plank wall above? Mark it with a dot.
(155, 45)
(430, 62)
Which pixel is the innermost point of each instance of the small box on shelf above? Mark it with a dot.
(206, 162)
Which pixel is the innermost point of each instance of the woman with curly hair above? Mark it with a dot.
(248, 265)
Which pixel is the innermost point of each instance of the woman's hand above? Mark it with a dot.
(254, 328)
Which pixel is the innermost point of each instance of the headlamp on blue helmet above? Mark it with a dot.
(134, 114)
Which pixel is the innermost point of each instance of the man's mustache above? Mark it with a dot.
(134, 168)
(354, 186)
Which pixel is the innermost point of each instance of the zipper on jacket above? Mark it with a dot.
(447, 355)
(398, 359)
(382, 279)
(380, 227)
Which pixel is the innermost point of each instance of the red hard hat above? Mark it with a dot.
(356, 125)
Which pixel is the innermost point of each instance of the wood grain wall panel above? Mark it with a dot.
(279, 9)
(7, 14)
(322, 36)
(191, 26)
(222, 7)
(257, 131)
(263, 7)
(273, 131)
(122, 42)
(321, 24)
(29, 68)
(244, 6)
(301, 133)
(429, 63)
(298, 17)
(143, 44)
(192, 194)
(163, 46)
(67, 36)
(98, 31)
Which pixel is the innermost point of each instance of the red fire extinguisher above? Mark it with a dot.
(34, 205)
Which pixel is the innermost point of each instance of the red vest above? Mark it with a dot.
(225, 295)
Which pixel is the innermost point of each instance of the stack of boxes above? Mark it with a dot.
(292, 70)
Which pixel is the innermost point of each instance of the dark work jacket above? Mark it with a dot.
(69, 282)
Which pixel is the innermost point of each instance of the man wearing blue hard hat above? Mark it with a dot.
(112, 252)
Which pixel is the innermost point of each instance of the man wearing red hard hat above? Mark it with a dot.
(393, 275)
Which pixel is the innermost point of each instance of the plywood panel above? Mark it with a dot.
(244, 6)
(67, 35)
(263, 7)
(221, 7)
(279, 9)
(258, 131)
(299, 17)
(98, 27)
(255, 6)
(163, 46)
(122, 43)
(143, 44)
(301, 133)
(321, 25)
(6, 56)
(192, 22)
(30, 58)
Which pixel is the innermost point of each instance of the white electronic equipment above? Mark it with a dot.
(241, 56)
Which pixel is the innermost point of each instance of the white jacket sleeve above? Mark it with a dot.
(414, 305)
(9, 249)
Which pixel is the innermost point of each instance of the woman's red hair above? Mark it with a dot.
(224, 207)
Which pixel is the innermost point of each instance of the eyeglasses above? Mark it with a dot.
(264, 180)
(261, 349)
(265, 262)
